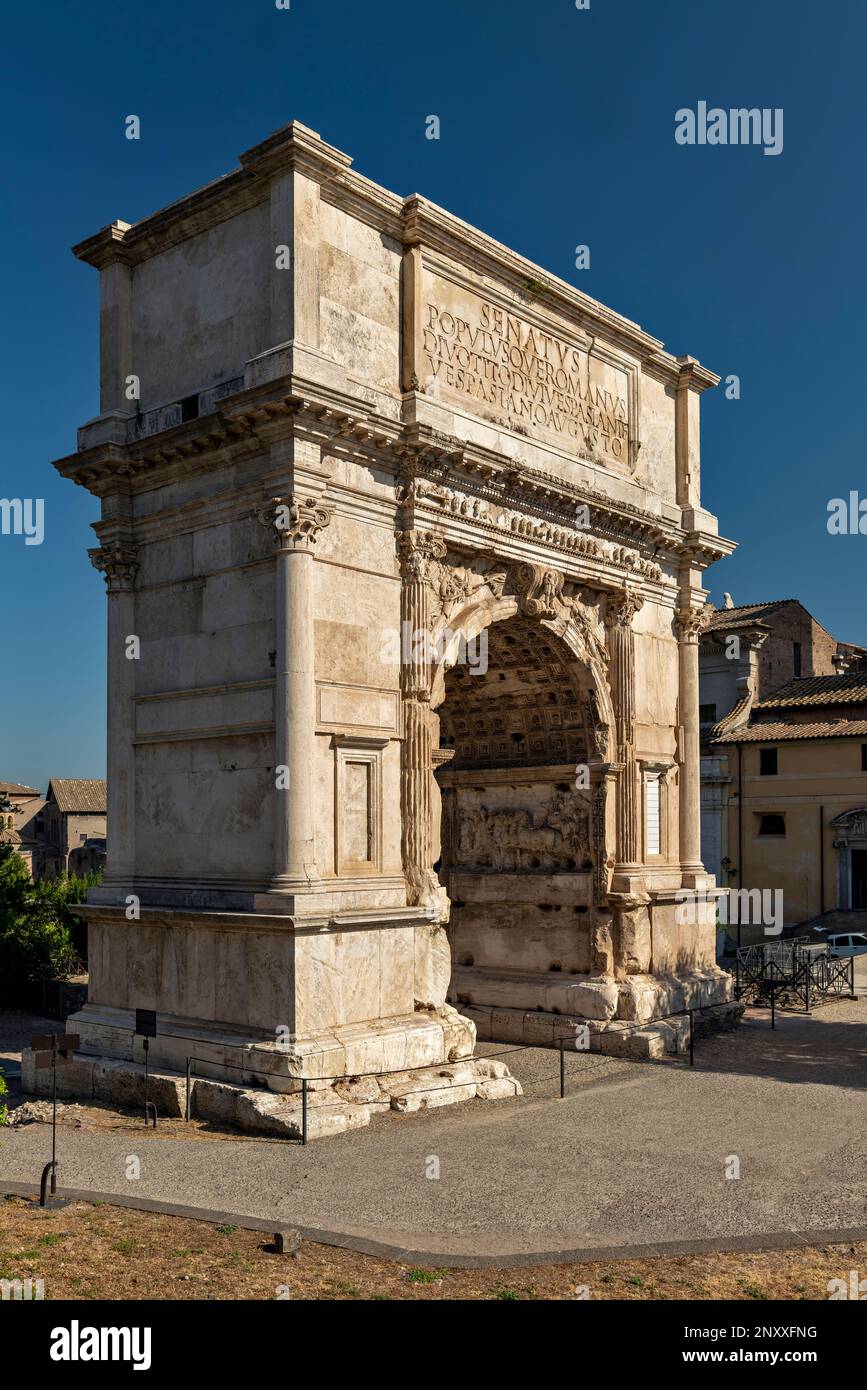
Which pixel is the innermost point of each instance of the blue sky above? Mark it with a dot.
(557, 129)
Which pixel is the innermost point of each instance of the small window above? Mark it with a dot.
(707, 714)
(651, 795)
(864, 757)
(768, 762)
(772, 825)
(796, 658)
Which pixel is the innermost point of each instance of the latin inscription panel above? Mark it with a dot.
(496, 364)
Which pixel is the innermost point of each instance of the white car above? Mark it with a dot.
(848, 945)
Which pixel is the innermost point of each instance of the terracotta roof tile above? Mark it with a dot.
(787, 730)
(79, 794)
(742, 615)
(15, 789)
(850, 689)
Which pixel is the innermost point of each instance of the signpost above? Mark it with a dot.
(52, 1050)
(146, 1027)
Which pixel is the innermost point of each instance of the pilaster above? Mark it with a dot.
(420, 553)
(295, 524)
(119, 562)
(620, 610)
(690, 623)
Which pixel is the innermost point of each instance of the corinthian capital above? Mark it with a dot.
(621, 607)
(295, 522)
(118, 562)
(420, 554)
(691, 622)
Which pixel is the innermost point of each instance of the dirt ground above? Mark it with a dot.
(93, 1115)
(97, 1251)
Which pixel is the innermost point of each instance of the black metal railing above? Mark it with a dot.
(792, 975)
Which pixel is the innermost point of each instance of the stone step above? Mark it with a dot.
(347, 1105)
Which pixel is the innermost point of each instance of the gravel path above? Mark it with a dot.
(636, 1154)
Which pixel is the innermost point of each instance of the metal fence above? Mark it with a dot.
(792, 975)
(563, 1046)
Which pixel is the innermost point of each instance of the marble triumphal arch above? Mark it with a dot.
(411, 538)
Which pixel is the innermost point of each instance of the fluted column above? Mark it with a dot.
(118, 561)
(620, 610)
(296, 524)
(419, 554)
(690, 622)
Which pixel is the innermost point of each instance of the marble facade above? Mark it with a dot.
(410, 535)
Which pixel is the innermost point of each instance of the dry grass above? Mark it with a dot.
(93, 1251)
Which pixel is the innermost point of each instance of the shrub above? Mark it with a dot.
(35, 939)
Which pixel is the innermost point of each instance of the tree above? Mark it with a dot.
(35, 939)
(57, 895)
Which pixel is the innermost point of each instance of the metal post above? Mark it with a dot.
(43, 1184)
(304, 1110)
(187, 1106)
(562, 1070)
(54, 1116)
(691, 1042)
(146, 1050)
(773, 998)
(808, 985)
(852, 994)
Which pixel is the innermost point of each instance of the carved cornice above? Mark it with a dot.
(295, 522)
(412, 220)
(437, 473)
(118, 561)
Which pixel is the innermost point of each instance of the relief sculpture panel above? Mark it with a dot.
(522, 838)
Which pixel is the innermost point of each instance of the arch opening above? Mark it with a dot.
(518, 733)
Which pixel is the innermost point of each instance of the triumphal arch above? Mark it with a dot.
(404, 545)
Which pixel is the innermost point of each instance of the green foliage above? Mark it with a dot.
(36, 926)
(3, 1088)
(56, 896)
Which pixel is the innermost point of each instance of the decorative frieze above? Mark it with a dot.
(572, 535)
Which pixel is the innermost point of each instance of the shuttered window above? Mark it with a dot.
(651, 800)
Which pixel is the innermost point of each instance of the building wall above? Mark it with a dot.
(81, 826)
(817, 779)
(201, 309)
(789, 625)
